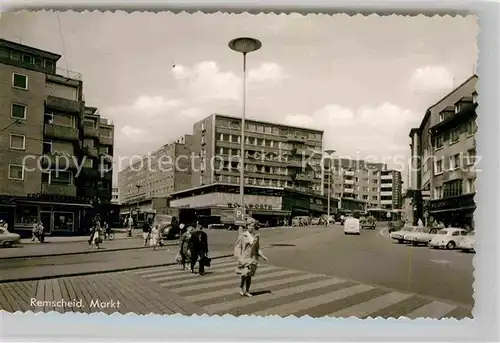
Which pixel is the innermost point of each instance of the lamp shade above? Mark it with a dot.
(245, 44)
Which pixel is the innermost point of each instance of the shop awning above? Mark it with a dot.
(54, 203)
(270, 212)
(466, 208)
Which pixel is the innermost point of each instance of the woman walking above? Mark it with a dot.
(247, 252)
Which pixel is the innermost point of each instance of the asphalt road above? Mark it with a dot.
(370, 258)
(373, 258)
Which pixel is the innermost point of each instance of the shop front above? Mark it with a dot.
(457, 211)
(60, 216)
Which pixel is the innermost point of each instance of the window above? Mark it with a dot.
(63, 221)
(14, 55)
(26, 215)
(452, 188)
(454, 135)
(439, 142)
(19, 81)
(28, 59)
(441, 117)
(61, 177)
(18, 111)
(38, 61)
(18, 142)
(49, 64)
(456, 161)
(16, 172)
(471, 156)
(89, 123)
(471, 128)
(48, 118)
(471, 185)
(202, 126)
(439, 167)
(458, 107)
(438, 192)
(474, 97)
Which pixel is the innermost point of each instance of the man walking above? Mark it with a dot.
(146, 231)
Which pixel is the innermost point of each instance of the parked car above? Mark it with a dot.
(301, 221)
(351, 226)
(468, 243)
(448, 238)
(167, 225)
(421, 235)
(400, 234)
(315, 221)
(7, 238)
(368, 222)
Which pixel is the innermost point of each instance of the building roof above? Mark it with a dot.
(29, 49)
(268, 122)
(428, 112)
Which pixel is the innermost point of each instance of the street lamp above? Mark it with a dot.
(329, 153)
(244, 45)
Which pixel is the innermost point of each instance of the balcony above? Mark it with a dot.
(386, 177)
(349, 182)
(387, 193)
(104, 140)
(348, 173)
(304, 178)
(60, 132)
(64, 105)
(295, 139)
(55, 189)
(90, 151)
(90, 132)
(59, 161)
(295, 163)
(348, 190)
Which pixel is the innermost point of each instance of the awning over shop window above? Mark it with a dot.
(55, 203)
(270, 212)
(467, 208)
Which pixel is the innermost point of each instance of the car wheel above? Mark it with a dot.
(7, 244)
(401, 241)
(450, 245)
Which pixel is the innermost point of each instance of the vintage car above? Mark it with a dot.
(7, 238)
(421, 235)
(352, 226)
(448, 238)
(368, 223)
(400, 234)
(167, 225)
(467, 243)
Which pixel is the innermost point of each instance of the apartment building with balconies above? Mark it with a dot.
(443, 167)
(276, 155)
(391, 183)
(157, 175)
(353, 179)
(41, 140)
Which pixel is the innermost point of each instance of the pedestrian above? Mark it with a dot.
(420, 223)
(146, 231)
(130, 222)
(96, 237)
(198, 251)
(154, 237)
(247, 252)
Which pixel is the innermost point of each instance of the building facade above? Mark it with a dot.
(41, 145)
(353, 179)
(275, 155)
(156, 175)
(443, 165)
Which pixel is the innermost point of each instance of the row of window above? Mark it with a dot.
(268, 129)
(455, 162)
(30, 59)
(17, 172)
(454, 135)
(455, 188)
(269, 143)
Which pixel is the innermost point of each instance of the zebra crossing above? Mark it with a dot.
(284, 292)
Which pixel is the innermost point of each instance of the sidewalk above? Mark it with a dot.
(119, 234)
(74, 267)
(51, 248)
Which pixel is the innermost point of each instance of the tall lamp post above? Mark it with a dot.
(244, 45)
(330, 162)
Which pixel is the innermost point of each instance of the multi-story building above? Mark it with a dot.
(276, 155)
(391, 197)
(443, 148)
(156, 175)
(353, 179)
(41, 140)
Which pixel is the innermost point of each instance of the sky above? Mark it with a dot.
(365, 81)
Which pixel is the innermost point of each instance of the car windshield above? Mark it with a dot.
(407, 229)
(442, 232)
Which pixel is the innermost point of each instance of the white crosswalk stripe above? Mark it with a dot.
(286, 292)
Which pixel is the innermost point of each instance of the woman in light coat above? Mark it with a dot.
(154, 237)
(247, 252)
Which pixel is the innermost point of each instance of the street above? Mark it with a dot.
(314, 271)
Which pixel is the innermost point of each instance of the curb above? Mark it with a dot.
(107, 271)
(77, 253)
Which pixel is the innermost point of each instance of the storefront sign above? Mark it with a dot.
(58, 198)
(251, 206)
(452, 203)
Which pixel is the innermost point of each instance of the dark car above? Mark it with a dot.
(368, 223)
(167, 225)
